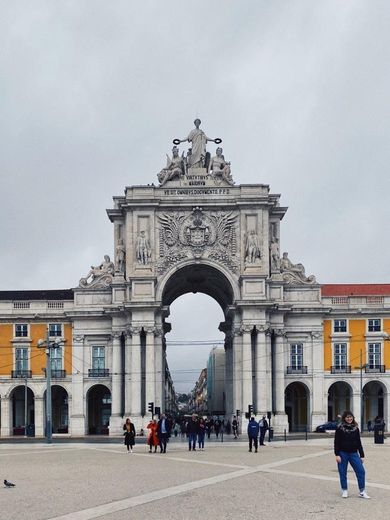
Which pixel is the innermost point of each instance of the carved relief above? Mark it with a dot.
(197, 235)
(143, 250)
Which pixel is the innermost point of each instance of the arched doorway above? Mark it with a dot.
(59, 409)
(99, 410)
(373, 398)
(339, 399)
(212, 282)
(22, 409)
(297, 406)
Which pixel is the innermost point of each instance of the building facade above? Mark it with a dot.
(286, 350)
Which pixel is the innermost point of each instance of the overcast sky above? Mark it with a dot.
(93, 92)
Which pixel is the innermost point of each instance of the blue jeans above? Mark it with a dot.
(201, 440)
(357, 465)
(192, 440)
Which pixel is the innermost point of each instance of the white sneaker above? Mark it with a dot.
(363, 494)
(344, 494)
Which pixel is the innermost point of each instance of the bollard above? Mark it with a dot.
(285, 435)
(306, 434)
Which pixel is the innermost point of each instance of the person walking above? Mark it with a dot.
(163, 432)
(201, 433)
(263, 425)
(129, 433)
(235, 427)
(253, 433)
(192, 432)
(348, 449)
(152, 437)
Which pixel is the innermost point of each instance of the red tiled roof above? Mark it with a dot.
(356, 289)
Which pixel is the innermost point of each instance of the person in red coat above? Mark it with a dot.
(152, 437)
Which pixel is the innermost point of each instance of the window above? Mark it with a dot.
(374, 355)
(21, 330)
(56, 358)
(55, 329)
(98, 358)
(340, 325)
(374, 325)
(296, 356)
(21, 359)
(340, 355)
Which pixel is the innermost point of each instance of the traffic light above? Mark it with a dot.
(151, 407)
(250, 409)
(157, 411)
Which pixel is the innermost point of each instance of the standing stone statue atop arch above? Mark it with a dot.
(198, 139)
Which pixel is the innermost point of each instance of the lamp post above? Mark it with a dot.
(49, 345)
(25, 406)
(360, 367)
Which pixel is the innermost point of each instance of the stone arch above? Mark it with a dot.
(339, 399)
(98, 399)
(18, 409)
(297, 406)
(60, 408)
(205, 277)
(374, 401)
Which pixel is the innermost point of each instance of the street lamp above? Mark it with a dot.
(49, 345)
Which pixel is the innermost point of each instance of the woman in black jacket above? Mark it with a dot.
(348, 449)
(129, 434)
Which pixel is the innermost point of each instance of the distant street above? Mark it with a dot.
(80, 481)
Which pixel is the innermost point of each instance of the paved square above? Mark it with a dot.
(297, 479)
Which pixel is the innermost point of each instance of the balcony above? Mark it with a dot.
(296, 370)
(21, 373)
(375, 369)
(98, 372)
(343, 369)
(56, 374)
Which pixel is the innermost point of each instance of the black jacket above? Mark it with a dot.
(347, 439)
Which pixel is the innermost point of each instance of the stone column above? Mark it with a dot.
(6, 416)
(318, 403)
(357, 407)
(263, 381)
(237, 370)
(39, 417)
(229, 374)
(280, 420)
(150, 385)
(116, 420)
(77, 411)
(135, 373)
(159, 367)
(127, 369)
(247, 394)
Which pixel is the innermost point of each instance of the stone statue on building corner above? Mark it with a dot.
(99, 276)
(143, 250)
(120, 257)
(293, 273)
(275, 255)
(220, 169)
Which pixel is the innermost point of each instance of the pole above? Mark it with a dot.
(25, 406)
(48, 390)
(361, 392)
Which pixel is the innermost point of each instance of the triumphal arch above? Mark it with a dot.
(199, 231)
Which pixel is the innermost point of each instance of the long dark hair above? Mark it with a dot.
(345, 414)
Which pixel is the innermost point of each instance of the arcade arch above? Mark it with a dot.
(18, 403)
(98, 410)
(297, 401)
(339, 399)
(374, 396)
